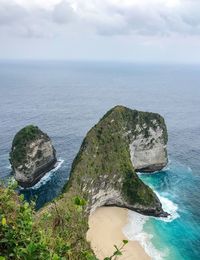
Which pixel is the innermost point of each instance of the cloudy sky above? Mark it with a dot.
(133, 30)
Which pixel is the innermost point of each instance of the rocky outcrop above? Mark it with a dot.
(148, 145)
(31, 156)
(104, 170)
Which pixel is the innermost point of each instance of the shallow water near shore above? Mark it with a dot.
(172, 237)
(65, 99)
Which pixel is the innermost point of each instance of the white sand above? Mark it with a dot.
(105, 231)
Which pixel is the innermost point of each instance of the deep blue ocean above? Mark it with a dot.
(65, 99)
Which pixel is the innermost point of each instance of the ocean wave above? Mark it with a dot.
(134, 231)
(168, 206)
(47, 176)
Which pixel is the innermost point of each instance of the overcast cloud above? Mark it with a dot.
(153, 20)
(109, 17)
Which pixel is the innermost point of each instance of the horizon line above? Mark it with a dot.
(99, 61)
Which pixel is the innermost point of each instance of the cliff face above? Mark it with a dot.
(104, 170)
(148, 144)
(31, 156)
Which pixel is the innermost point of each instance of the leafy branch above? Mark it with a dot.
(118, 251)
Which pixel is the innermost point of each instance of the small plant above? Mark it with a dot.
(118, 251)
(79, 201)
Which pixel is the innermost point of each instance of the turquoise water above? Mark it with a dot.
(65, 99)
(179, 238)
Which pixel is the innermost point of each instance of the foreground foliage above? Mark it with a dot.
(65, 223)
(58, 232)
(19, 239)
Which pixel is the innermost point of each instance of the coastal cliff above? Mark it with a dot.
(103, 174)
(103, 171)
(32, 155)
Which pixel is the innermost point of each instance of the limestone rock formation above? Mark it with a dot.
(148, 144)
(31, 156)
(103, 171)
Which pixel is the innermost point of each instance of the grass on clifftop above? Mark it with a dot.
(21, 139)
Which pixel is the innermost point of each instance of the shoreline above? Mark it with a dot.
(105, 231)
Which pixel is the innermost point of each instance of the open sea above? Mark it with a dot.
(65, 99)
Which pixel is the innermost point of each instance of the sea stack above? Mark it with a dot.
(104, 170)
(32, 155)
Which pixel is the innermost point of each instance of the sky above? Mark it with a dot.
(126, 30)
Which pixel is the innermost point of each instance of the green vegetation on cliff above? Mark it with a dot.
(22, 138)
(105, 151)
(135, 191)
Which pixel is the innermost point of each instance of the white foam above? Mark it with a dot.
(167, 205)
(170, 207)
(47, 176)
(134, 231)
(167, 167)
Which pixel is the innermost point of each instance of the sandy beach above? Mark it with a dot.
(105, 230)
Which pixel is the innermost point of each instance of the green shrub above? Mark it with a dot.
(57, 232)
(19, 239)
